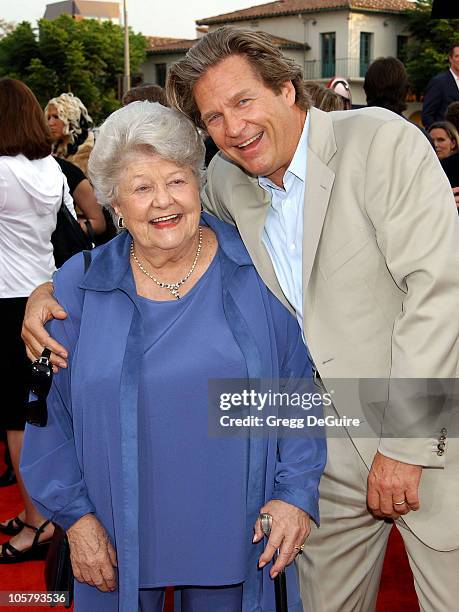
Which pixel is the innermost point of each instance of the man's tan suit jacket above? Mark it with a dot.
(380, 290)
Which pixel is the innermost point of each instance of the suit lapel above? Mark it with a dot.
(251, 205)
(319, 183)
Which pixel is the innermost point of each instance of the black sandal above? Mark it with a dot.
(37, 551)
(12, 527)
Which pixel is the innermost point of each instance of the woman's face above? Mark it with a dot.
(159, 202)
(55, 124)
(444, 145)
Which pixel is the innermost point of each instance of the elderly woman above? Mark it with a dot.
(70, 126)
(126, 464)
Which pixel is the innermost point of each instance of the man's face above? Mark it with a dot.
(454, 60)
(252, 125)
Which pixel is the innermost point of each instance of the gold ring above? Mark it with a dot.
(299, 549)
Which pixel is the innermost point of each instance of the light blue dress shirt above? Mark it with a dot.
(283, 231)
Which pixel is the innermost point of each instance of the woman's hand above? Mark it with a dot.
(41, 307)
(92, 554)
(290, 528)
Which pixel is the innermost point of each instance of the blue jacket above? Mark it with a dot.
(85, 458)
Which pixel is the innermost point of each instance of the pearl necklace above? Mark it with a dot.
(173, 287)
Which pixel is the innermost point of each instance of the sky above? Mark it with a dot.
(152, 17)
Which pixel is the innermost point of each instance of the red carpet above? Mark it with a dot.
(396, 593)
(28, 576)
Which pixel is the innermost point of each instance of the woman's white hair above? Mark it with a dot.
(139, 128)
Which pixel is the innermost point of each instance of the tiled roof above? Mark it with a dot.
(285, 43)
(296, 7)
(158, 41)
(177, 46)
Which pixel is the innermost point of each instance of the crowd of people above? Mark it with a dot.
(320, 244)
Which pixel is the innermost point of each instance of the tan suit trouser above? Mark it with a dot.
(340, 568)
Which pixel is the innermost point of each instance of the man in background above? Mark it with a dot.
(442, 90)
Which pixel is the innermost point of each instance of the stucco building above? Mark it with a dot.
(326, 37)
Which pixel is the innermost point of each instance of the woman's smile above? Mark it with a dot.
(166, 221)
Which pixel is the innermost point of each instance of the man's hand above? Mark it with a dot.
(41, 307)
(92, 554)
(290, 528)
(456, 195)
(391, 482)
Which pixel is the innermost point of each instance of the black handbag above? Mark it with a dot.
(58, 568)
(68, 238)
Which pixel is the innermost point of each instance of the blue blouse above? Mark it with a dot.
(192, 497)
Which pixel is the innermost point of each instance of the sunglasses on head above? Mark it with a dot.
(41, 378)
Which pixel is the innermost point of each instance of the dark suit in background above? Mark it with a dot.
(441, 91)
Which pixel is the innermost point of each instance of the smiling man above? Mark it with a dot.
(350, 221)
(258, 131)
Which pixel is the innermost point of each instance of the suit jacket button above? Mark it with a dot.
(442, 438)
(444, 431)
(440, 453)
(441, 446)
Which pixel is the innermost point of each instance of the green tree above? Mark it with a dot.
(84, 57)
(17, 49)
(426, 52)
(42, 81)
(78, 77)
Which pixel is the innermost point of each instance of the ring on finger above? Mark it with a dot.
(400, 503)
(299, 549)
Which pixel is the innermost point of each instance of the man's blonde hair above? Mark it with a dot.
(267, 62)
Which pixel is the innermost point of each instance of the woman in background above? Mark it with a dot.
(445, 138)
(32, 187)
(70, 126)
(323, 98)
